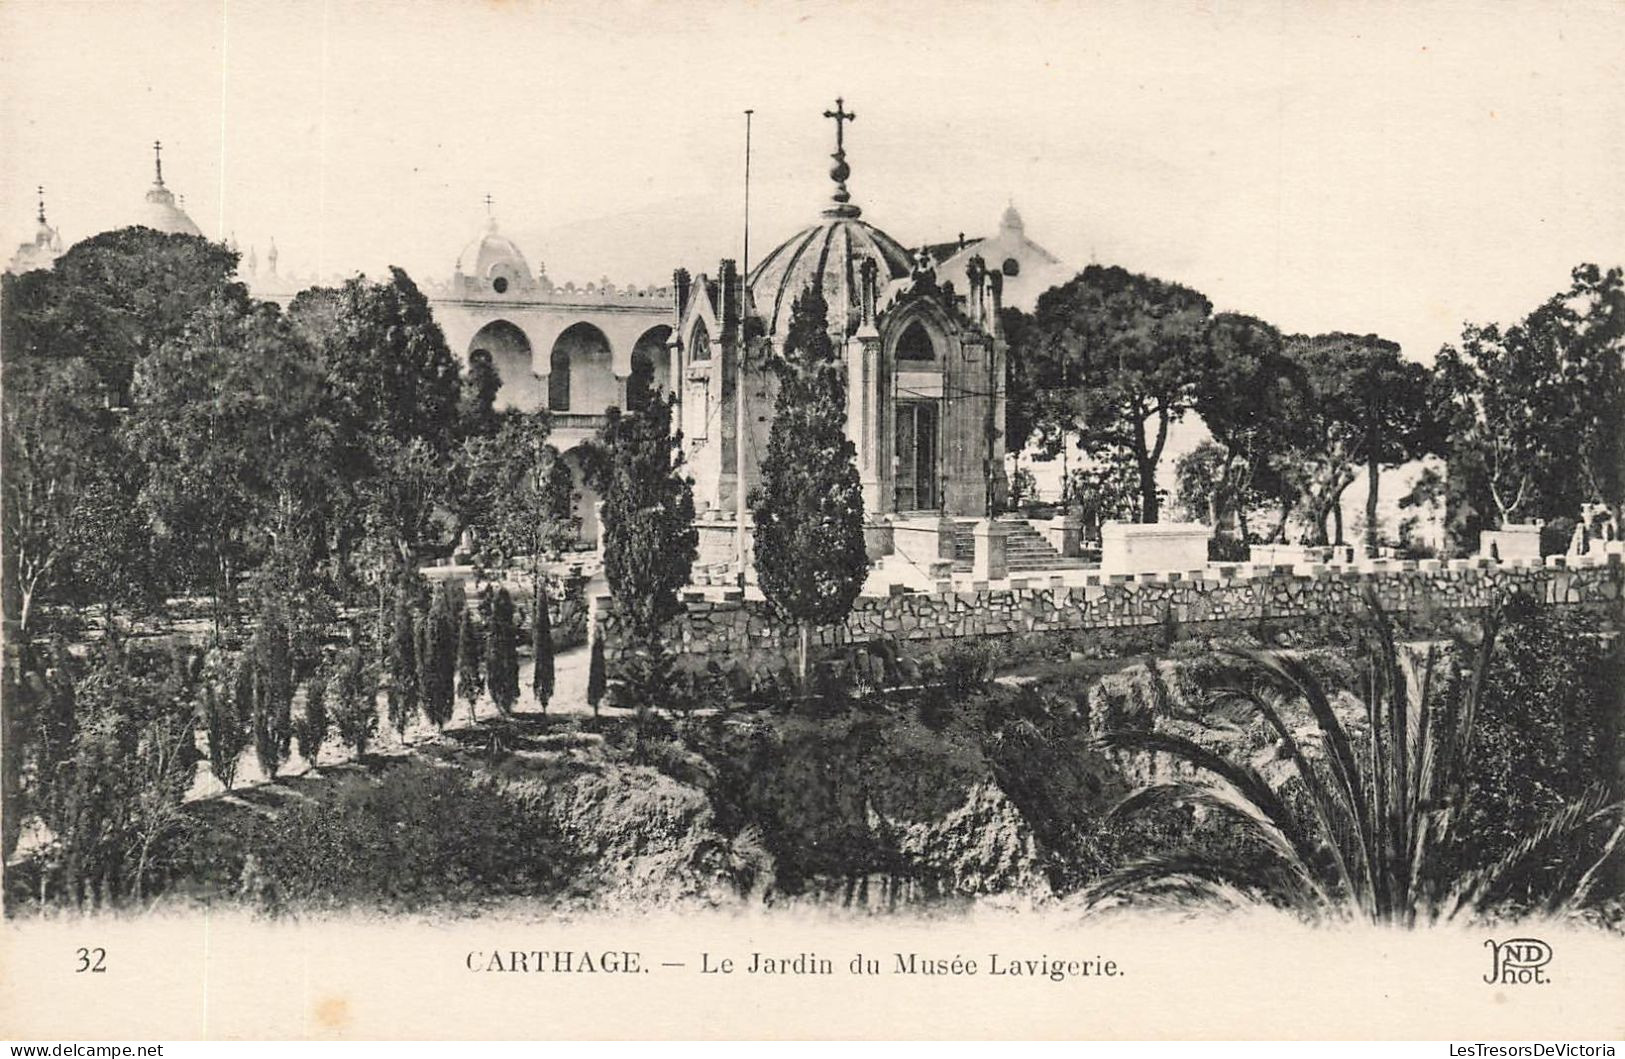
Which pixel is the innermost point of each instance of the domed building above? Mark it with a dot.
(41, 251)
(1028, 269)
(159, 211)
(924, 361)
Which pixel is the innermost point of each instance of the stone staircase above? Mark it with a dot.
(1026, 549)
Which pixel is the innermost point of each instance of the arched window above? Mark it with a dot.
(558, 380)
(916, 344)
(699, 345)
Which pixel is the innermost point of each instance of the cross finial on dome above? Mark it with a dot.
(488, 204)
(41, 190)
(840, 170)
(158, 161)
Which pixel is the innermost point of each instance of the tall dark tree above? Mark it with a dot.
(516, 492)
(1118, 357)
(470, 674)
(648, 525)
(502, 654)
(311, 728)
(808, 510)
(597, 674)
(541, 644)
(353, 700)
(476, 405)
(440, 656)
(404, 667)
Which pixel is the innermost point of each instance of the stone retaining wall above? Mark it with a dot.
(744, 633)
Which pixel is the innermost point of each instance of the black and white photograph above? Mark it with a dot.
(654, 520)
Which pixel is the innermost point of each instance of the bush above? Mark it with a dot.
(1227, 550)
(418, 835)
(1555, 535)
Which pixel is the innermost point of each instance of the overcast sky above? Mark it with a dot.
(1364, 167)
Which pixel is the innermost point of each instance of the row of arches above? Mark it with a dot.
(580, 376)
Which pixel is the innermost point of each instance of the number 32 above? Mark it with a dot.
(92, 960)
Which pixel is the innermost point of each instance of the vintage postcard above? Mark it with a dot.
(557, 520)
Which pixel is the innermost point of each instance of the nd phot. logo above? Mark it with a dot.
(1519, 961)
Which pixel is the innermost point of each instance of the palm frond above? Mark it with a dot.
(1294, 850)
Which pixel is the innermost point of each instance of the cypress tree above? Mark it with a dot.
(354, 705)
(502, 654)
(542, 676)
(810, 556)
(440, 658)
(649, 537)
(470, 681)
(311, 729)
(227, 731)
(404, 673)
(596, 676)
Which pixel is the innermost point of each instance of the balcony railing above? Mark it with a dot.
(578, 420)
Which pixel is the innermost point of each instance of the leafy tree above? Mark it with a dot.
(1119, 355)
(311, 728)
(808, 510)
(60, 447)
(230, 424)
(118, 297)
(396, 386)
(1252, 398)
(470, 679)
(440, 657)
(1537, 406)
(355, 706)
(1371, 409)
(404, 666)
(648, 529)
(517, 493)
(502, 654)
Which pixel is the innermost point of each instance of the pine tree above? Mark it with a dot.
(440, 658)
(810, 556)
(649, 537)
(542, 677)
(403, 665)
(502, 654)
(470, 681)
(596, 675)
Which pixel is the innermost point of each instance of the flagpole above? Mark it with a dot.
(739, 381)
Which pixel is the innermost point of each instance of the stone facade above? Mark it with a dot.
(745, 633)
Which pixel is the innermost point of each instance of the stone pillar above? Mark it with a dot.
(992, 551)
(1065, 534)
(620, 391)
(598, 512)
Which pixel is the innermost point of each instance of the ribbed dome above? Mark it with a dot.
(493, 256)
(830, 253)
(1011, 221)
(161, 214)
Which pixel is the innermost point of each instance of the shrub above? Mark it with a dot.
(417, 835)
(1555, 535)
